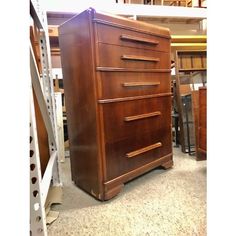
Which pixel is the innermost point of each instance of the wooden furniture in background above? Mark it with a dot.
(118, 99)
(202, 125)
(190, 67)
(202, 3)
(195, 115)
(184, 3)
(175, 2)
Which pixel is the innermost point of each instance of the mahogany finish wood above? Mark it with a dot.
(142, 116)
(138, 39)
(135, 84)
(114, 114)
(117, 91)
(99, 68)
(133, 98)
(138, 58)
(143, 150)
(127, 57)
(202, 125)
(125, 37)
(128, 84)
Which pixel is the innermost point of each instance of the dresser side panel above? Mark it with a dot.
(80, 96)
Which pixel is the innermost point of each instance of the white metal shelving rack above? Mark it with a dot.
(137, 11)
(43, 88)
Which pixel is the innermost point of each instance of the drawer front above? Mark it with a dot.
(133, 118)
(128, 84)
(127, 57)
(124, 37)
(133, 152)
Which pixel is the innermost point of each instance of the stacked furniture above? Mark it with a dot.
(118, 97)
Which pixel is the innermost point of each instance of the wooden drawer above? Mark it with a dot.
(130, 153)
(128, 84)
(127, 57)
(124, 37)
(133, 118)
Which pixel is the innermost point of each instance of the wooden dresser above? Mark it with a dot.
(118, 96)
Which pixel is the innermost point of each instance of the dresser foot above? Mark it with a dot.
(201, 155)
(168, 164)
(113, 192)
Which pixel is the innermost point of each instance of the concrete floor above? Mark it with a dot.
(159, 203)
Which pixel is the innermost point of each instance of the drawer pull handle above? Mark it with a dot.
(142, 116)
(138, 39)
(143, 150)
(137, 84)
(140, 58)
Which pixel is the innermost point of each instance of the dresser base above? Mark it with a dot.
(168, 164)
(201, 155)
(113, 187)
(113, 192)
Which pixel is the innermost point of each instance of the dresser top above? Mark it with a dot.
(118, 21)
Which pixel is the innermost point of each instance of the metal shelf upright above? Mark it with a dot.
(42, 85)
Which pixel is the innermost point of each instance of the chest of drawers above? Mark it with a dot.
(118, 97)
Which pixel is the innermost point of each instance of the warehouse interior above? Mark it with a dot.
(119, 118)
(188, 120)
